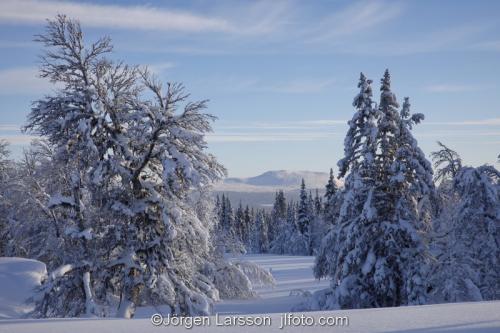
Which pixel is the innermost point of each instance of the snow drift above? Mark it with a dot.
(18, 279)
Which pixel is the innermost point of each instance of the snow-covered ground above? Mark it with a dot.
(18, 278)
(292, 274)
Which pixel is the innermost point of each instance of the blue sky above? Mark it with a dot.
(281, 75)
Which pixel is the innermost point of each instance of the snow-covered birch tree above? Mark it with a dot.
(134, 150)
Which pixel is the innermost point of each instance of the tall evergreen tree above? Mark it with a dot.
(304, 217)
(278, 215)
(303, 213)
(331, 202)
(248, 226)
(239, 222)
(318, 204)
(358, 165)
(261, 232)
(378, 249)
(466, 239)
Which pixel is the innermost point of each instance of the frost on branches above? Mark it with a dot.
(129, 151)
(376, 253)
(466, 236)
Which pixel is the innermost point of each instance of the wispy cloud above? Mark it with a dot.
(159, 68)
(276, 20)
(357, 17)
(112, 16)
(261, 18)
(453, 88)
(22, 81)
(474, 122)
(253, 26)
(255, 18)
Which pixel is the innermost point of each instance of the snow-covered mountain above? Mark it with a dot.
(271, 181)
(259, 191)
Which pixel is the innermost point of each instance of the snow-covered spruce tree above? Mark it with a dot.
(248, 217)
(293, 238)
(466, 240)
(131, 230)
(377, 254)
(477, 226)
(329, 216)
(239, 221)
(278, 214)
(278, 227)
(227, 236)
(331, 196)
(304, 218)
(318, 226)
(260, 238)
(358, 166)
(413, 195)
(318, 204)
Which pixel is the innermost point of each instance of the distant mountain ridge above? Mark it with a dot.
(259, 191)
(273, 180)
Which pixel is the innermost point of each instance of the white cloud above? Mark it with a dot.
(357, 17)
(159, 68)
(22, 81)
(112, 16)
(266, 19)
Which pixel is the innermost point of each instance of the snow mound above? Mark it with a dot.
(18, 279)
(258, 275)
